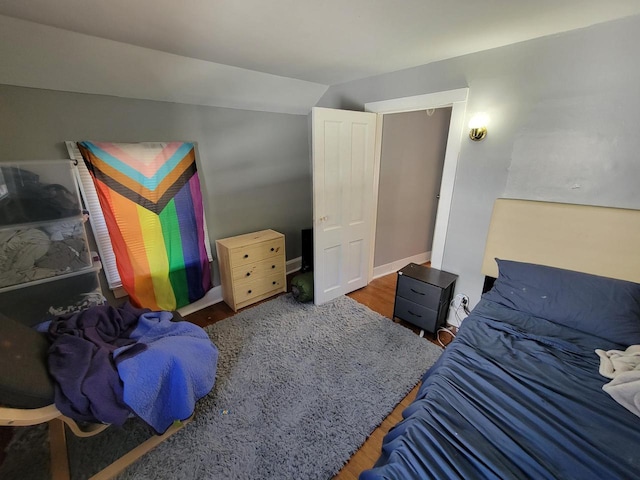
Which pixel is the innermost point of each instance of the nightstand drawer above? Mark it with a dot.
(419, 292)
(419, 315)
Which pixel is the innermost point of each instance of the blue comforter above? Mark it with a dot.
(513, 396)
(176, 367)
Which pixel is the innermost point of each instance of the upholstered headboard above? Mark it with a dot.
(598, 240)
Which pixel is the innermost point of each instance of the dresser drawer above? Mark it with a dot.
(251, 253)
(419, 292)
(419, 315)
(270, 266)
(247, 289)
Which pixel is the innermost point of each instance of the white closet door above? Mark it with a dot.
(343, 144)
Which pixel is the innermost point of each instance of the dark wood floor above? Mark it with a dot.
(379, 296)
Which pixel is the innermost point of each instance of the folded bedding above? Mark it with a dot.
(514, 396)
(28, 254)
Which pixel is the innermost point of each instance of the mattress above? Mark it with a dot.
(514, 396)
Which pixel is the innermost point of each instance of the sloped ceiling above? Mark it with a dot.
(275, 55)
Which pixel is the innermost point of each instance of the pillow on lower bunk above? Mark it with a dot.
(605, 307)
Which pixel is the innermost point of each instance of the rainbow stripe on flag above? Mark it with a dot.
(152, 203)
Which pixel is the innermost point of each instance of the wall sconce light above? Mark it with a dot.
(478, 126)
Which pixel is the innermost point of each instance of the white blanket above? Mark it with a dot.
(623, 367)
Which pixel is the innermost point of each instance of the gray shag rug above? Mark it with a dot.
(299, 388)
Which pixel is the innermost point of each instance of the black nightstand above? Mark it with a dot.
(423, 295)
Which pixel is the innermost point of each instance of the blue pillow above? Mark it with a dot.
(600, 306)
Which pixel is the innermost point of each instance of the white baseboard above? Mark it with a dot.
(393, 267)
(214, 295)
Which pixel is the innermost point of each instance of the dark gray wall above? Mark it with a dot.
(254, 165)
(564, 113)
(413, 146)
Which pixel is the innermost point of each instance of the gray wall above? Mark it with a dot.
(564, 110)
(254, 165)
(413, 146)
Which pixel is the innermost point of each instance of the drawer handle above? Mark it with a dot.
(273, 266)
(275, 282)
(415, 291)
(246, 255)
(248, 274)
(414, 314)
(272, 249)
(249, 291)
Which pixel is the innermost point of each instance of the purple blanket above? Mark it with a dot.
(87, 386)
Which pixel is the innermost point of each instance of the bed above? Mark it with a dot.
(519, 393)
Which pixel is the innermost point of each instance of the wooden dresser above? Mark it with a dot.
(252, 267)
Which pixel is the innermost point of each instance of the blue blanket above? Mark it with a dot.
(513, 397)
(177, 367)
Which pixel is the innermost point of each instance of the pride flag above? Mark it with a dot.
(152, 204)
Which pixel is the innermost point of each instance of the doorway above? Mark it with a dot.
(411, 163)
(457, 100)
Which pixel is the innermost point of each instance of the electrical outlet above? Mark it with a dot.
(460, 300)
